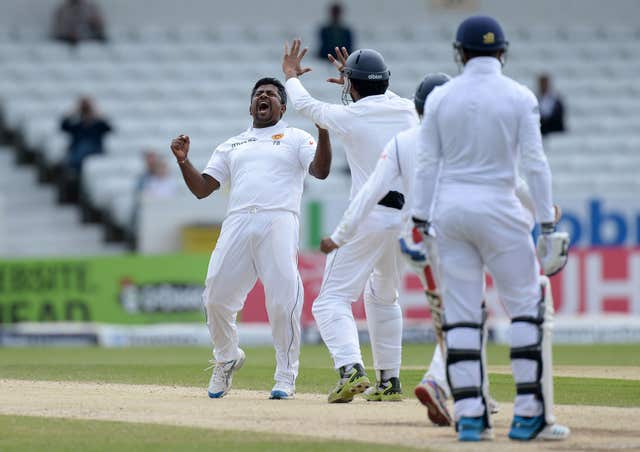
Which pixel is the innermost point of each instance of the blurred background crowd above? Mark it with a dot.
(92, 92)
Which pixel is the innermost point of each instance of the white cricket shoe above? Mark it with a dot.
(282, 391)
(554, 432)
(222, 376)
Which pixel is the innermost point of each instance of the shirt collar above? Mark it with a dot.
(483, 65)
(373, 98)
(265, 131)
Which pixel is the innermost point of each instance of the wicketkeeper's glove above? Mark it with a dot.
(552, 248)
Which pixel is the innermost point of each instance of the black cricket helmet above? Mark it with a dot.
(428, 83)
(366, 64)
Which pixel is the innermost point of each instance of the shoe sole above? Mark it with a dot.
(437, 414)
(280, 395)
(385, 398)
(485, 435)
(349, 390)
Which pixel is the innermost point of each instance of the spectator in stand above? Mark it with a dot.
(78, 20)
(551, 107)
(156, 181)
(334, 33)
(86, 129)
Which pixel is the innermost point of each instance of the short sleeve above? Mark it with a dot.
(306, 150)
(218, 166)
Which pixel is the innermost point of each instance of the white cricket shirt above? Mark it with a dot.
(397, 161)
(265, 168)
(364, 127)
(478, 126)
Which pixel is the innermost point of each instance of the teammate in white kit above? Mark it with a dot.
(265, 167)
(398, 161)
(476, 129)
(371, 260)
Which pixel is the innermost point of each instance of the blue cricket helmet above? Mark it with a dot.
(480, 33)
(428, 83)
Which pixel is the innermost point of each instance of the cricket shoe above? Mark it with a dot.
(352, 381)
(282, 391)
(473, 429)
(385, 391)
(431, 395)
(494, 407)
(222, 375)
(529, 428)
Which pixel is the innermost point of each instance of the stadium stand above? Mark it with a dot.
(154, 84)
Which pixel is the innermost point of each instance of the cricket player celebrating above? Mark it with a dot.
(265, 167)
(476, 129)
(371, 260)
(398, 161)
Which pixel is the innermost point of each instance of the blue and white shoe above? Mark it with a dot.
(473, 429)
(222, 375)
(529, 428)
(282, 391)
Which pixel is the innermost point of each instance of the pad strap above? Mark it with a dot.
(529, 388)
(451, 326)
(466, 392)
(455, 355)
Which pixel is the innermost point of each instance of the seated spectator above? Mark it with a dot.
(551, 107)
(156, 181)
(78, 20)
(334, 33)
(86, 129)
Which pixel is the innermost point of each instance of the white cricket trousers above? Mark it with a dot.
(477, 227)
(262, 244)
(370, 261)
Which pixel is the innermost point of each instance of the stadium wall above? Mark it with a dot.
(361, 13)
(157, 300)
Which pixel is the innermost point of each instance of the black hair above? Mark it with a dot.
(370, 87)
(271, 81)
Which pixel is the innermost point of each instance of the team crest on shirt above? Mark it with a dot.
(276, 138)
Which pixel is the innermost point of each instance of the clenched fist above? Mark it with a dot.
(180, 147)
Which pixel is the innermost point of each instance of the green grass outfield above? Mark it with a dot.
(184, 367)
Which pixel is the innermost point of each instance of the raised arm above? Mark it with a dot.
(321, 164)
(326, 115)
(201, 185)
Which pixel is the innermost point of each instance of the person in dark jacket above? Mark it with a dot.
(86, 130)
(334, 33)
(551, 107)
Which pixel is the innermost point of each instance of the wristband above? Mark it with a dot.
(547, 228)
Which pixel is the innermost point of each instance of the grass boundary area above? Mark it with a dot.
(60, 434)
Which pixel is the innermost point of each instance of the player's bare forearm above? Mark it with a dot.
(321, 164)
(201, 185)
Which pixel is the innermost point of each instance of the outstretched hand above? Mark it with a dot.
(292, 59)
(342, 54)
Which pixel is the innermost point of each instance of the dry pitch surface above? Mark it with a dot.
(594, 428)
